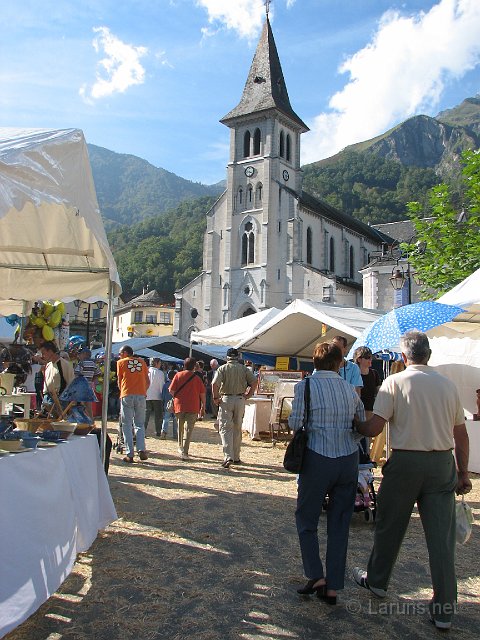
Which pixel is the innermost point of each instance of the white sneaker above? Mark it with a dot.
(360, 577)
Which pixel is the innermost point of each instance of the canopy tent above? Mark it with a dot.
(168, 346)
(296, 330)
(53, 243)
(456, 345)
(232, 333)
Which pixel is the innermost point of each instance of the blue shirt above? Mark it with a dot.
(351, 373)
(333, 404)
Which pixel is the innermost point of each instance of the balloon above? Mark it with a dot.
(39, 322)
(55, 318)
(47, 309)
(98, 387)
(12, 319)
(59, 306)
(47, 332)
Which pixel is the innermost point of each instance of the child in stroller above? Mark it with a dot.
(366, 498)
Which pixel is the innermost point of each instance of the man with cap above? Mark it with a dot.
(232, 384)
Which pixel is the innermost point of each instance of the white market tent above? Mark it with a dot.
(53, 243)
(296, 330)
(233, 333)
(456, 345)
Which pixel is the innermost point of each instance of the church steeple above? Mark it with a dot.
(265, 88)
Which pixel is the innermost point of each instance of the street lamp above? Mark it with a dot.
(86, 314)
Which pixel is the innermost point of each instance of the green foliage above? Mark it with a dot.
(451, 246)
(164, 252)
(367, 186)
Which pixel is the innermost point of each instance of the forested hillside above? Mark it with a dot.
(164, 252)
(130, 189)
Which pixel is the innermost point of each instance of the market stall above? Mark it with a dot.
(53, 246)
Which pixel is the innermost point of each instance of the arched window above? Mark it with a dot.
(257, 139)
(282, 144)
(248, 245)
(258, 194)
(309, 245)
(289, 147)
(332, 254)
(352, 263)
(249, 195)
(240, 196)
(246, 144)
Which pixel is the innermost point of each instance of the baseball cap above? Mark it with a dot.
(232, 353)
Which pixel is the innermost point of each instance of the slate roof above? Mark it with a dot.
(265, 88)
(149, 299)
(339, 217)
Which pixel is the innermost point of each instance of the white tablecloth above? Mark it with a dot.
(257, 415)
(473, 429)
(53, 502)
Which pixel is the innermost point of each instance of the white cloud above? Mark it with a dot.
(118, 70)
(244, 16)
(403, 70)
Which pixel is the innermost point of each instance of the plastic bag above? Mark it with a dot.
(465, 519)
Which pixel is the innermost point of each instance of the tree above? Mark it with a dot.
(449, 241)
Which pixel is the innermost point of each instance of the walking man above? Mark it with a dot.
(154, 402)
(132, 376)
(188, 392)
(426, 423)
(212, 408)
(232, 384)
(349, 371)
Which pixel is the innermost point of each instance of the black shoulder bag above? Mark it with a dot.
(293, 459)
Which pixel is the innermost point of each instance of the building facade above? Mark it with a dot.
(268, 242)
(145, 316)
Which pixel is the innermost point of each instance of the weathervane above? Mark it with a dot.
(267, 6)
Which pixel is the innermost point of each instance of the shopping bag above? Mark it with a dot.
(465, 519)
(170, 406)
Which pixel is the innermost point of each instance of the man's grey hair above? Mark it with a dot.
(415, 346)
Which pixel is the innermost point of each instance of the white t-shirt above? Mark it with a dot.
(422, 408)
(157, 380)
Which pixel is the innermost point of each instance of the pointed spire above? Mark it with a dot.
(265, 87)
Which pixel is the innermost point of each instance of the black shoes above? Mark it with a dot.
(226, 463)
(309, 589)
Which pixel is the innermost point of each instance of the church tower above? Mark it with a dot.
(264, 158)
(267, 242)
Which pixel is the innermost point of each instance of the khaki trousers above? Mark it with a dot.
(186, 422)
(230, 418)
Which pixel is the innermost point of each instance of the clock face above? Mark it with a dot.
(285, 175)
(249, 171)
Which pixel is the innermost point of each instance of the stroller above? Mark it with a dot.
(366, 498)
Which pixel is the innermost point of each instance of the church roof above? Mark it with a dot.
(344, 219)
(339, 217)
(265, 88)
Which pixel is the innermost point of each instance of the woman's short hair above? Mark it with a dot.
(415, 346)
(327, 356)
(361, 352)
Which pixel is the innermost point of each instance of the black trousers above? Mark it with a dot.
(108, 447)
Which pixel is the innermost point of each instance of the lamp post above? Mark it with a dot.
(86, 314)
(398, 280)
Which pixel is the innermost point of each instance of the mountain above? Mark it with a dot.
(130, 189)
(373, 180)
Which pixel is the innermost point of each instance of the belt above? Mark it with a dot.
(233, 395)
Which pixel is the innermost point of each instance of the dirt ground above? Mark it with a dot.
(205, 553)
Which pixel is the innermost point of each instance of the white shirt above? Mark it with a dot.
(157, 380)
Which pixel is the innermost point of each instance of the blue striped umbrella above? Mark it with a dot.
(385, 333)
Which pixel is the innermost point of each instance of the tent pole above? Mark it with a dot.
(106, 370)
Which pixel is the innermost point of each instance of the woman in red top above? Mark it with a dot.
(189, 397)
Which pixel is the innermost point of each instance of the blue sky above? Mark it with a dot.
(153, 77)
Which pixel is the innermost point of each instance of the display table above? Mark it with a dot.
(473, 428)
(257, 416)
(53, 502)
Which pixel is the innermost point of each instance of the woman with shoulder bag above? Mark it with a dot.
(330, 466)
